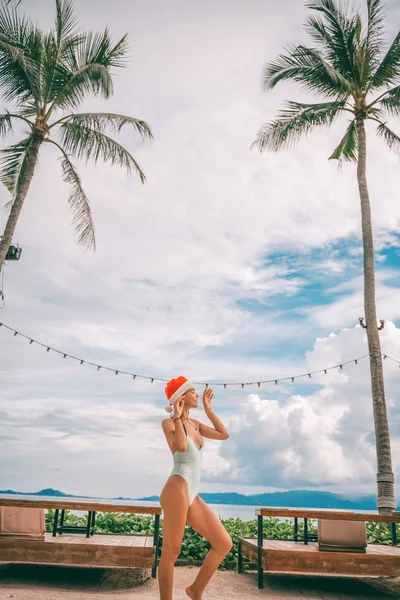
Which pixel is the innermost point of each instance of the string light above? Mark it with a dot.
(153, 379)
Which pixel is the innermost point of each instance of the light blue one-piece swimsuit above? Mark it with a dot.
(187, 464)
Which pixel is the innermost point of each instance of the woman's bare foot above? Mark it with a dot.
(192, 594)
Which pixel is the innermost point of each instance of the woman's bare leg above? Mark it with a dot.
(206, 523)
(174, 502)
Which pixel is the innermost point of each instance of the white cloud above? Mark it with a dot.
(324, 439)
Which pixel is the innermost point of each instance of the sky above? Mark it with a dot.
(226, 266)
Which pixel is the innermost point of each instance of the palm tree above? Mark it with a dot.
(347, 67)
(45, 76)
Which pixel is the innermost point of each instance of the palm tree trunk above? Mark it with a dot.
(385, 477)
(11, 224)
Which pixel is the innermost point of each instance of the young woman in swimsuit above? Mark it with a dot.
(179, 498)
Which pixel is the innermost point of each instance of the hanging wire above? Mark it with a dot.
(207, 384)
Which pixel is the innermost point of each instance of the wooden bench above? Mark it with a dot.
(102, 550)
(287, 556)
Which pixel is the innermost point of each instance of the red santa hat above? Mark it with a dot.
(176, 388)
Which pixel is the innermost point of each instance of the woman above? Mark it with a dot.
(179, 498)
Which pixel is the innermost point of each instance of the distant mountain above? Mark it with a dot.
(45, 492)
(293, 498)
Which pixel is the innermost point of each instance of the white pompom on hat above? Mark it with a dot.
(176, 388)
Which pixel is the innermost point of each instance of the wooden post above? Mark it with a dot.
(156, 543)
(296, 529)
(93, 522)
(55, 525)
(394, 534)
(305, 531)
(259, 552)
(240, 558)
(89, 523)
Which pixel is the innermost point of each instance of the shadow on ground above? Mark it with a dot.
(40, 582)
(72, 578)
(340, 587)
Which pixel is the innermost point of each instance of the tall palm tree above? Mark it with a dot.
(44, 77)
(356, 79)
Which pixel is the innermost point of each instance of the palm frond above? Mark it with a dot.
(19, 52)
(85, 68)
(102, 121)
(391, 138)
(5, 124)
(391, 101)
(375, 28)
(388, 71)
(317, 31)
(13, 164)
(347, 148)
(100, 48)
(297, 120)
(66, 21)
(342, 31)
(308, 67)
(58, 43)
(78, 201)
(92, 79)
(89, 144)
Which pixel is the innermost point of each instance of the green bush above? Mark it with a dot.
(194, 546)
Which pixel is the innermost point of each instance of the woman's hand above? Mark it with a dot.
(178, 407)
(208, 395)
